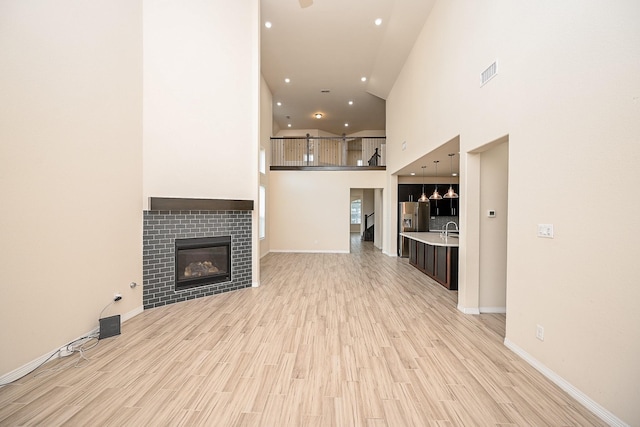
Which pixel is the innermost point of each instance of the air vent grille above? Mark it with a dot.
(489, 73)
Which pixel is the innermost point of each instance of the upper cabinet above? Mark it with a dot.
(444, 207)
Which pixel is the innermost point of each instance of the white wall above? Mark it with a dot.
(201, 98)
(367, 133)
(70, 170)
(301, 133)
(309, 211)
(494, 190)
(318, 132)
(567, 95)
(202, 102)
(266, 123)
(379, 209)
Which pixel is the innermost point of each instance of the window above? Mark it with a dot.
(261, 212)
(356, 211)
(263, 161)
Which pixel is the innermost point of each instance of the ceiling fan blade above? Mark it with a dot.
(305, 3)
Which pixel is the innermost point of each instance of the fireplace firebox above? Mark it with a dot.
(202, 261)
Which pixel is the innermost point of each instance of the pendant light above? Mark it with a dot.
(436, 195)
(424, 197)
(451, 194)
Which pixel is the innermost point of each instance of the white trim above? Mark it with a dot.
(132, 313)
(255, 284)
(468, 310)
(499, 310)
(27, 368)
(585, 400)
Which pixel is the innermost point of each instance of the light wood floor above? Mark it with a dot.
(357, 339)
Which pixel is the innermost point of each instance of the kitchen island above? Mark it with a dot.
(435, 255)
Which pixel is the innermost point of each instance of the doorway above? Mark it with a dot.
(494, 191)
(486, 220)
(365, 215)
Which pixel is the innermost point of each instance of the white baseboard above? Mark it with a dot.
(585, 400)
(25, 369)
(468, 310)
(132, 313)
(498, 310)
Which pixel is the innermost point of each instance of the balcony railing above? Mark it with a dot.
(329, 153)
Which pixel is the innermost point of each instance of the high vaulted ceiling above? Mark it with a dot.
(329, 45)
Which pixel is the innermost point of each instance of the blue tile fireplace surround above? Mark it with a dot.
(171, 219)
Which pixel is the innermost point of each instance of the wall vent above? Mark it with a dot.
(489, 73)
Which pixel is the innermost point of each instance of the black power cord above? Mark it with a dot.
(69, 347)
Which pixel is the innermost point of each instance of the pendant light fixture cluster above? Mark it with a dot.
(436, 195)
(423, 197)
(451, 194)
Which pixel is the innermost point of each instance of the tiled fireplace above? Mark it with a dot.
(171, 222)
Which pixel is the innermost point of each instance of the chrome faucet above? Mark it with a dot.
(446, 228)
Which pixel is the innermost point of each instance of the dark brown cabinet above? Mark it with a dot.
(430, 265)
(438, 262)
(443, 207)
(420, 255)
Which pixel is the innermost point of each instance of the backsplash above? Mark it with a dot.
(437, 222)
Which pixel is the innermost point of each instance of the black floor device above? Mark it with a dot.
(109, 326)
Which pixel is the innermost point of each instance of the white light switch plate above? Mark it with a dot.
(545, 230)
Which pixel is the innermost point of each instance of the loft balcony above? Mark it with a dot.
(328, 153)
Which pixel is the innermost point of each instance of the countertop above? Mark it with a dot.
(432, 238)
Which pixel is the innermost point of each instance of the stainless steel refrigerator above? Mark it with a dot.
(412, 216)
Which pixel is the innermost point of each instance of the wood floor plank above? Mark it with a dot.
(356, 339)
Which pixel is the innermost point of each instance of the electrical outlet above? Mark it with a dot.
(545, 230)
(540, 332)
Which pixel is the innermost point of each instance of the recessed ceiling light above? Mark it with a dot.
(268, 24)
(279, 103)
(346, 125)
(289, 125)
(454, 174)
(413, 174)
(287, 80)
(318, 115)
(378, 21)
(363, 79)
(350, 102)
